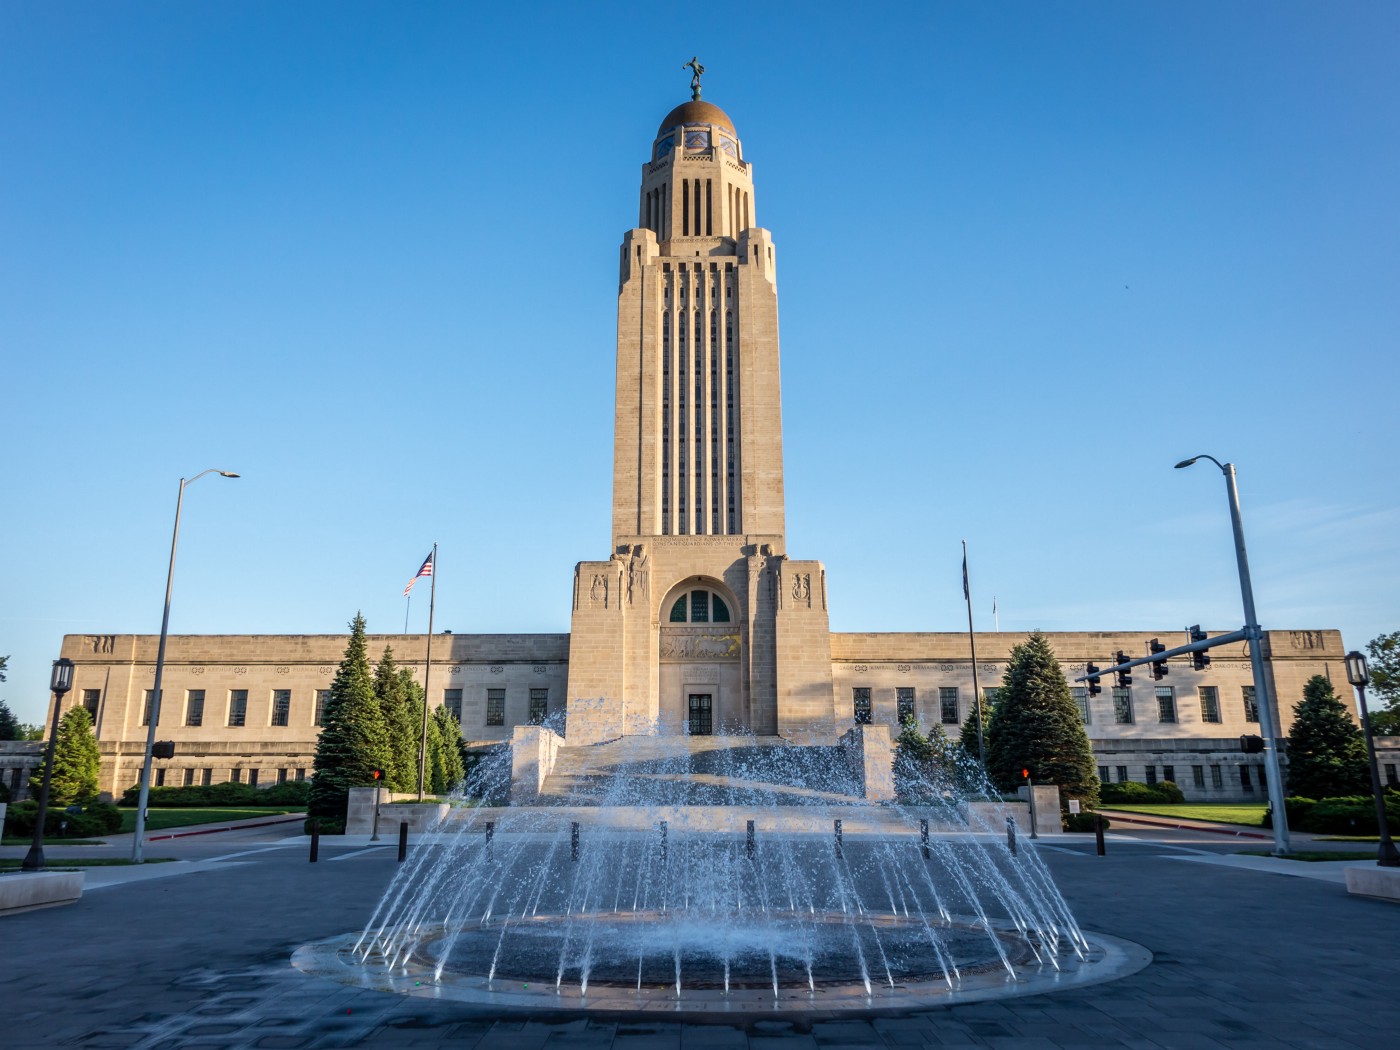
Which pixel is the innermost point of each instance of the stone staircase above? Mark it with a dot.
(699, 771)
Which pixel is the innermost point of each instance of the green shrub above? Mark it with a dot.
(291, 794)
(94, 820)
(1352, 815)
(1082, 822)
(1130, 792)
(329, 825)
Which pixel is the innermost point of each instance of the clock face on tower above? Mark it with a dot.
(697, 139)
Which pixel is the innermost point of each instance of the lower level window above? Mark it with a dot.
(495, 707)
(948, 705)
(904, 700)
(539, 706)
(252, 778)
(1245, 782)
(1122, 774)
(1198, 776)
(1217, 777)
(860, 697)
(1152, 774)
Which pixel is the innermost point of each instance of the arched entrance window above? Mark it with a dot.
(699, 606)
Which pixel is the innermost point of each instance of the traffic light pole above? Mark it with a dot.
(1264, 700)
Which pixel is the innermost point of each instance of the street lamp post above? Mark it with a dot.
(60, 682)
(137, 846)
(1256, 660)
(1358, 674)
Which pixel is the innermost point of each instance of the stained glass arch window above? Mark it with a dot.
(700, 605)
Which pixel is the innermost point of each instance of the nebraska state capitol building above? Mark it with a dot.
(697, 620)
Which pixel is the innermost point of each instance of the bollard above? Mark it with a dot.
(837, 828)
(315, 840)
(1098, 833)
(403, 840)
(490, 834)
(1011, 835)
(662, 827)
(923, 836)
(573, 842)
(750, 844)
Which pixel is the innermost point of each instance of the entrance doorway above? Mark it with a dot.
(701, 720)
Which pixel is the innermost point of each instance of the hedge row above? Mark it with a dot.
(1132, 793)
(1352, 815)
(293, 794)
(95, 819)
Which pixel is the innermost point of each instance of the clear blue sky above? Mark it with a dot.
(1031, 255)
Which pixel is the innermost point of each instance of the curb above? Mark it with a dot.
(230, 827)
(1135, 819)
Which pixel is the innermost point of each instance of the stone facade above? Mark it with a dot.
(696, 619)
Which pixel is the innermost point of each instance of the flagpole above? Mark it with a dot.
(407, 603)
(996, 621)
(972, 644)
(427, 670)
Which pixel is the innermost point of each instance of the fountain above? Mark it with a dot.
(717, 876)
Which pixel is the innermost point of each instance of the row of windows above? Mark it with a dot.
(1165, 696)
(496, 705)
(1217, 775)
(189, 777)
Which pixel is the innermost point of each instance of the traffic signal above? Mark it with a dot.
(163, 749)
(1159, 667)
(1199, 660)
(1092, 671)
(376, 774)
(1125, 678)
(1252, 745)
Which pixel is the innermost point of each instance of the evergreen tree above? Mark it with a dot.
(354, 740)
(9, 724)
(1326, 752)
(76, 762)
(435, 773)
(414, 698)
(401, 770)
(968, 736)
(1037, 726)
(450, 761)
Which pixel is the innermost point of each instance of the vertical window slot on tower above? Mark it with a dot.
(708, 229)
(685, 210)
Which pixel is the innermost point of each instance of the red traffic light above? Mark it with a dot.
(376, 773)
(1026, 773)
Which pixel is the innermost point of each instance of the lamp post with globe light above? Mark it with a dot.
(1255, 634)
(1358, 674)
(153, 715)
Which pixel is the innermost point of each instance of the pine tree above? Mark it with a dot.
(401, 770)
(435, 773)
(450, 736)
(9, 724)
(414, 698)
(1326, 752)
(76, 762)
(968, 737)
(354, 739)
(1037, 726)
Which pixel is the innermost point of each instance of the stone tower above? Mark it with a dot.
(698, 622)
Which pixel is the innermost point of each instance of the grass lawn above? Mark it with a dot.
(1249, 813)
(25, 840)
(12, 863)
(158, 819)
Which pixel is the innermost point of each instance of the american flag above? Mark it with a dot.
(425, 570)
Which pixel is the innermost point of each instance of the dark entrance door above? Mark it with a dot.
(700, 719)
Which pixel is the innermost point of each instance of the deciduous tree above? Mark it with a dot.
(1384, 700)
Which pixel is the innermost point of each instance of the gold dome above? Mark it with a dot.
(696, 112)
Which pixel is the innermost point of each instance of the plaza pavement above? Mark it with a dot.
(1248, 952)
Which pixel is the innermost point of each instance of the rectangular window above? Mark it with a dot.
(1122, 774)
(1103, 774)
(1081, 701)
(539, 706)
(90, 701)
(207, 777)
(1210, 703)
(1166, 704)
(160, 778)
(1151, 774)
(281, 776)
(235, 776)
(1198, 776)
(1263, 781)
(948, 705)
(1169, 773)
(860, 697)
(1123, 706)
(1217, 778)
(237, 708)
(189, 778)
(989, 699)
(495, 707)
(301, 774)
(1245, 782)
(146, 709)
(1390, 773)
(452, 700)
(904, 704)
(323, 697)
(194, 707)
(281, 706)
(1251, 705)
(252, 778)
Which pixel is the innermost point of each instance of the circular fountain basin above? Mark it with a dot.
(629, 964)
